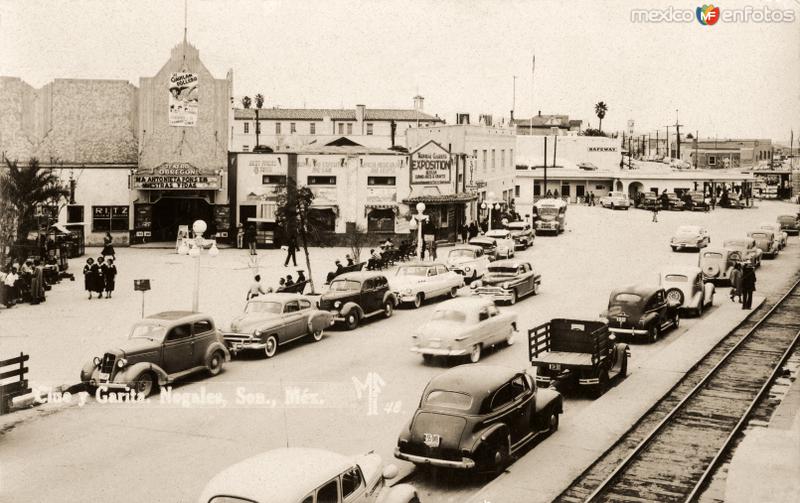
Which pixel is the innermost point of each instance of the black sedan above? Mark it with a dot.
(475, 417)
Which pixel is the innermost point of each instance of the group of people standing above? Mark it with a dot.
(23, 283)
(743, 284)
(100, 276)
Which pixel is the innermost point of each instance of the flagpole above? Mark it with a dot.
(533, 108)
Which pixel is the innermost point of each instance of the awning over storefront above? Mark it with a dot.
(460, 197)
(333, 207)
(380, 206)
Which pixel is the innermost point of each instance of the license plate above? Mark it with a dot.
(555, 366)
(432, 440)
(103, 376)
(622, 319)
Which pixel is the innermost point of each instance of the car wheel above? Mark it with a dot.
(612, 206)
(513, 299)
(499, 458)
(475, 354)
(388, 309)
(553, 423)
(676, 321)
(418, 298)
(143, 384)
(699, 310)
(602, 386)
(511, 338)
(536, 288)
(623, 369)
(352, 320)
(428, 359)
(317, 335)
(271, 346)
(453, 292)
(653, 333)
(675, 295)
(215, 363)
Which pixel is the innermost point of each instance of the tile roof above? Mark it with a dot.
(342, 114)
(546, 121)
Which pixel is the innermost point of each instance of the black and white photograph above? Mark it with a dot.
(399, 251)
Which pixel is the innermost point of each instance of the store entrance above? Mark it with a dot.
(170, 212)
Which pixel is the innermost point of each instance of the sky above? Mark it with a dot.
(729, 79)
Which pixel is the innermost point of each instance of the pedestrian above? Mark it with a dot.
(89, 276)
(433, 249)
(301, 276)
(748, 286)
(736, 282)
(289, 281)
(100, 282)
(591, 198)
(291, 248)
(37, 283)
(250, 237)
(10, 286)
(108, 246)
(713, 202)
(255, 288)
(464, 233)
(473, 230)
(281, 285)
(239, 236)
(109, 277)
(655, 212)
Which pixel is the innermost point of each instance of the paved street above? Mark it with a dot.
(127, 449)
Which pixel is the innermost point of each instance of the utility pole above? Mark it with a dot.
(544, 190)
(533, 108)
(514, 98)
(677, 136)
(657, 147)
(696, 145)
(669, 150)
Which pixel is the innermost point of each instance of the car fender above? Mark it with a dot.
(391, 297)
(319, 320)
(217, 346)
(709, 290)
(349, 306)
(478, 439)
(649, 318)
(128, 374)
(547, 399)
(88, 370)
(696, 299)
(401, 493)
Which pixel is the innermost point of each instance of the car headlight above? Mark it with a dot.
(337, 304)
(407, 291)
(474, 285)
(467, 269)
(96, 361)
(122, 362)
(505, 285)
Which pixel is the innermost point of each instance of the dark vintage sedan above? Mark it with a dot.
(475, 417)
(354, 296)
(508, 281)
(790, 224)
(641, 311)
(160, 349)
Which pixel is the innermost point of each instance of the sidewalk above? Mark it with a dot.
(549, 468)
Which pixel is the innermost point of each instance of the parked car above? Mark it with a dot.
(475, 417)
(416, 282)
(464, 327)
(305, 475)
(160, 349)
(641, 311)
(747, 249)
(790, 224)
(275, 319)
(579, 352)
(781, 236)
(685, 286)
(354, 296)
(615, 200)
(697, 201)
(489, 246)
(504, 242)
(717, 264)
(508, 280)
(549, 215)
(649, 201)
(766, 242)
(690, 236)
(521, 233)
(732, 201)
(468, 261)
(672, 202)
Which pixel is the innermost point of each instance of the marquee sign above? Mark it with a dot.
(175, 176)
(430, 165)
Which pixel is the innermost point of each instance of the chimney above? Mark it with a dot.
(540, 113)
(418, 101)
(361, 111)
(462, 118)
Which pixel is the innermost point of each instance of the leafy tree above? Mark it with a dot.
(246, 101)
(294, 215)
(356, 239)
(600, 110)
(8, 217)
(29, 187)
(593, 132)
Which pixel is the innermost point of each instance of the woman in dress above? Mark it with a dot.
(109, 275)
(100, 282)
(108, 247)
(89, 276)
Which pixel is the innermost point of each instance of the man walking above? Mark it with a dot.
(291, 248)
(250, 237)
(655, 211)
(748, 286)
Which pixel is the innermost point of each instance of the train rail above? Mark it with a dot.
(675, 460)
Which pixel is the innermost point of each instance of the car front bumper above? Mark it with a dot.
(439, 351)
(681, 245)
(627, 331)
(495, 293)
(464, 464)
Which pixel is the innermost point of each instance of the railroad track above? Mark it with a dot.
(675, 460)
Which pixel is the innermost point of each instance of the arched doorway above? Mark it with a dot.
(618, 186)
(171, 211)
(634, 190)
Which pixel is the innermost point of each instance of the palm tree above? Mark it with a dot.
(246, 101)
(600, 110)
(29, 187)
(259, 104)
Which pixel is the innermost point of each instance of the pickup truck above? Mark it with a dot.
(566, 352)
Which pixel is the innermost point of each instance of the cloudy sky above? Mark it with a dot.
(730, 79)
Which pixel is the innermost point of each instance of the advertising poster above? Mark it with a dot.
(183, 99)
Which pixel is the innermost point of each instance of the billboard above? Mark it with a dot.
(430, 165)
(183, 99)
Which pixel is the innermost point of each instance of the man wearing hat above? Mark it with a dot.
(338, 271)
(349, 260)
(289, 280)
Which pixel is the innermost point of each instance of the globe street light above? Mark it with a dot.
(419, 217)
(195, 245)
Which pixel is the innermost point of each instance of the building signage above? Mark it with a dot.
(183, 99)
(430, 165)
(602, 149)
(175, 176)
(264, 164)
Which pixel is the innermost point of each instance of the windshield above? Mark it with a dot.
(503, 270)
(688, 230)
(449, 315)
(263, 307)
(461, 253)
(416, 270)
(627, 298)
(482, 244)
(735, 244)
(516, 226)
(147, 331)
(676, 278)
(548, 211)
(345, 285)
(497, 234)
(758, 235)
(712, 255)
(449, 399)
(786, 219)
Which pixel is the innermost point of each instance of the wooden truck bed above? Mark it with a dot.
(571, 343)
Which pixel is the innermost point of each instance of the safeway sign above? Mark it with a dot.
(430, 165)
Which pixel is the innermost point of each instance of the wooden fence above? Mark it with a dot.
(16, 388)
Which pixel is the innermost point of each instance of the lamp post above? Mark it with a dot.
(419, 218)
(193, 250)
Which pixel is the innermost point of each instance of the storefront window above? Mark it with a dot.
(273, 180)
(109, 218)
(312, 128)
(381, 180)
(380, 221)
(323, 219)
(321, 180)
(74, 214)
(369, 129)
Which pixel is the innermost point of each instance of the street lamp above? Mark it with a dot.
(193, 250)
(490, 207)
(419, 218)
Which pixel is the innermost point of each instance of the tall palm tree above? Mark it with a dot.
(246, 101)
(259, 103)
(600, 110)
(27, 188)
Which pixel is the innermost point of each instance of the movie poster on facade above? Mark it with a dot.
(183, 99)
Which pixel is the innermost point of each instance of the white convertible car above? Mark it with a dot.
(505, 242)
(418, 281)
(685, 286)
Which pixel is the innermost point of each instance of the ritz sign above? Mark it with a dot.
(430, 165)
